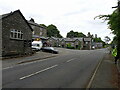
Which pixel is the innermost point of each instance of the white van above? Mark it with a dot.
(37, 45)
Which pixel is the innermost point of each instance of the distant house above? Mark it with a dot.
(98, 45)
(87, 43)
(83, 43)
(69, 42)
(38, 30)
(54, 42)
(16, 34)
(62, 43)
(72, 42)
(80, 42)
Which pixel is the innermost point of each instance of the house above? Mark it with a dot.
(98, 45)
(16, 34)
(38, 30)
(75, 43)
(80, 44)
(54, 42)
(87, 43)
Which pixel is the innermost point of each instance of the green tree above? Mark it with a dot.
(97, 39)
(43, 25)
(73, 34)
(70, 34)
(114, 24)
(53, 31)
(107, 39)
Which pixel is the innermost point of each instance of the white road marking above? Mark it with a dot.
(7, 67)
(26, 63)
(93, 76)
(38, 72)
(70, 60)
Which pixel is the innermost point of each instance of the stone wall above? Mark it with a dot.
(12, 46)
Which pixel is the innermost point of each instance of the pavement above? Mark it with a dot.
(107, 76)
(37, 56)
(8, 62)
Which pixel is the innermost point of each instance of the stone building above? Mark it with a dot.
(87, 43)
(97, 45)
(75, 43)
(80, 44)
(54, 42)
(16, 34)
(38, 30)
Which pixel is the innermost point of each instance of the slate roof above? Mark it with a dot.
(56, 38)
(69, 39)
(17, 11)
(87, 39)
(5, 15)
(35, 24)
(36, 36)
(80, 39)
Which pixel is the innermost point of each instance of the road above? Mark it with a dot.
(71, 70)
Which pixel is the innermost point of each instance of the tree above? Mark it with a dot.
(73, 34)
(53, 31)
(107, 39)
(43, 25)
(70, 34)
(80, 34)
(114, 24)
(97, 39)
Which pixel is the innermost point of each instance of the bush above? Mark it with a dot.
(70, 47)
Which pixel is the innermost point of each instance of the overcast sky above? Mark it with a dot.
(77, 15)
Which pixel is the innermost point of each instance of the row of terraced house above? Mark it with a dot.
(75, 43)
(17, 34)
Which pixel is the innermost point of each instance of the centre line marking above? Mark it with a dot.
(38, 72)
(70, 60)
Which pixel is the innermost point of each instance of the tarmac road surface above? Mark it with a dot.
(72, 70)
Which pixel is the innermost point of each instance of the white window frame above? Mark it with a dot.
(41, 33)
(15, 34)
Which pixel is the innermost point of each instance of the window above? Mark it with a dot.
(33, 32)
(40, 33)
(15, 34)
(21, 36)
(11, 34)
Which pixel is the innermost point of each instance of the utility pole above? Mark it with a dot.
(118, 33)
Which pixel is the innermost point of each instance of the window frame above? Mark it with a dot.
(16, 34)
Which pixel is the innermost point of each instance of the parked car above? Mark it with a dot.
(36, 45)
(49, 49)
(93, 47)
